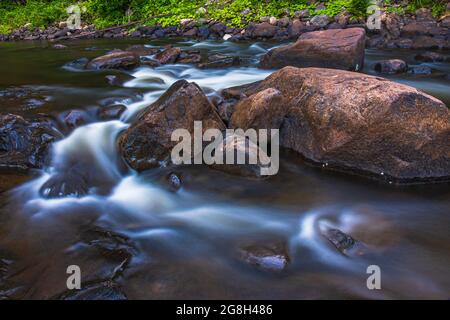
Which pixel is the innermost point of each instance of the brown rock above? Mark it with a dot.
(391, 66)
(114, 60)
(295, 29)
(340, 49)
(363, 124)
(168, 56)
(147, 143)
(142, 50)
(263, 110)
(426, 42)
(264, 30)
(431, 57)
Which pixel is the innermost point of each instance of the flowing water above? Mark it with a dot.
(186, 244)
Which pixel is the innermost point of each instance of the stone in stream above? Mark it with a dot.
(225, 62)
(168, 56)
(66, 184)
(23, 144)
(270, 257)
(343, 242)
(147, 143)
(431, 56)
(102, 255)
(112, 112)
(360, 123)
(391, 66)
(263, 110)
(76, 118)
(116, 59)
(256, 159)
(420, 70)
(339, 49)
(141, 50)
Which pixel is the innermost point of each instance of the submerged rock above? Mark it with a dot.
(339, 49)
(420, 70)
(112, 112)
(117, 59)
(66, 184)
(25, 145)
(147, 143)
(391, 66)
(272, 257)
(362, 124)
(343, 242)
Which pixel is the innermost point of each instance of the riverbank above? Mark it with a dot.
(418, 30)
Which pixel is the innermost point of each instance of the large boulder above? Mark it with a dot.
(147, 143)
(360, 123)
(338, 49)
(25, 145)
(117, 59)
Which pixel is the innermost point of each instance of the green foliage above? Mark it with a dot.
(37, 12)
(437, 6)
(40, 13)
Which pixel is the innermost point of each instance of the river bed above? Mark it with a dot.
(185, 245)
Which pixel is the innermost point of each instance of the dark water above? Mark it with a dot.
(161, 244)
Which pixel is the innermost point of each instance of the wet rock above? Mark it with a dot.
(225, 62)
(168, 56)
(111, 112)
(104, 291)
(67, 184)
(114, 60)
(263, 110)
(256, 160)
(191, 32)
(320, 21)
(391, 66)
(17, 99)
(147, 143)
(431, 57)
(75, 118)
(225, 110)
(59, 46)
(78, 64)
(362, 124)
(420, 70)
(118, 79)
(271, 257)
(344, 242)
(189, 58)
(25, 145)
(141, 50)
(340, 49)
(174, 182)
